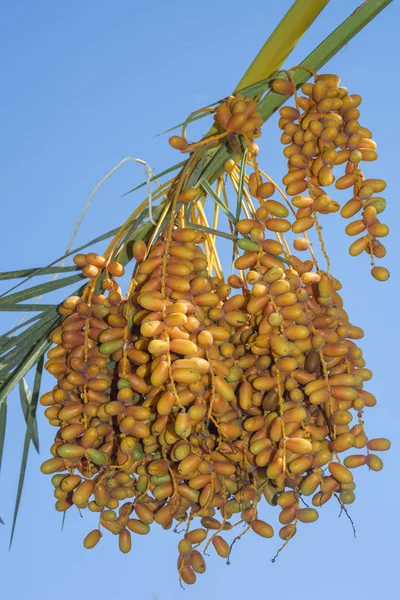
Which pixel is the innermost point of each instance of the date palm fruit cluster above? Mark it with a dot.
(320, 133)
(192, 398)
(238, 115)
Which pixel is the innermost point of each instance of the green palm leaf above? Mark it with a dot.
(37, 271)
(39, 290)
(3, 422)
(207, 188)
(25, 365)
(29, 402)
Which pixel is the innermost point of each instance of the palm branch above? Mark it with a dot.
(23, 347)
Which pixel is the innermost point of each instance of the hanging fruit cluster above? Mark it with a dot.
(238, 115)
(193, 397)
(323, 132)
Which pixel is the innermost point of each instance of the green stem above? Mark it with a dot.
(282, 41)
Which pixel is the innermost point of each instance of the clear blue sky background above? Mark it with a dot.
(85, 84)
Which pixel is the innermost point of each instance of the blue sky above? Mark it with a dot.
(88, 83)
